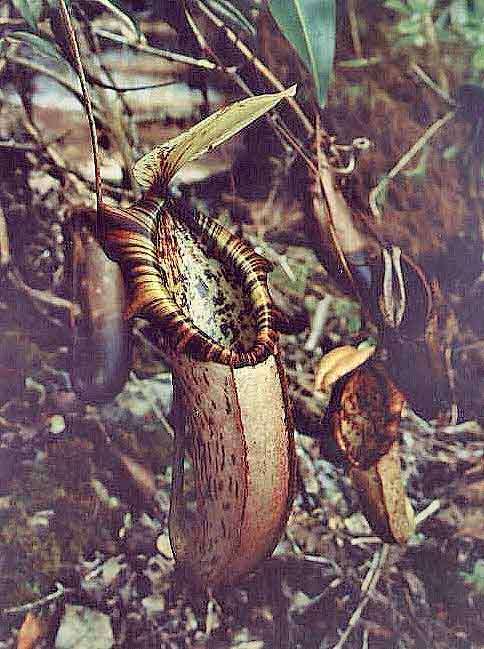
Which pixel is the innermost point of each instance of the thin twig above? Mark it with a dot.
(431, 84)
(366, 540)
(12, 22)
(44, 297)
(20, 146)
(122, 89)
(59, 592)
(65, 83)
(52, 152)
(355, 34)
(421, 423)
(4, 241)
(122, 17)
(427, 512)
(125, 146)
(370, 583)
(164, 54)
(471, 428)
(464, 348)
(360, 63)
(88, 106)
(405, 159)
(318, 322)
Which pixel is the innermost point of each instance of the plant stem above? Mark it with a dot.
(355, 34)
(88, 106)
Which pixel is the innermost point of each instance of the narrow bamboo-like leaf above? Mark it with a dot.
(238, 17)
(41, 44)
(478, 58)
(30, 11)
(310, 27)
(159, 166)
(117, 9)
(398, 6)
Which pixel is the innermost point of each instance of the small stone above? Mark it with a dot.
(357, 525)
(163, 546)
(153, 605)
(57, 424)
(111, 569)
(83, 628)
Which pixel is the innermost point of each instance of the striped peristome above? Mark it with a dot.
(132, 239)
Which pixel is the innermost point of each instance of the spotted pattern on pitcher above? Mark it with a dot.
(216, 446)
(152, 241)
(207, 293)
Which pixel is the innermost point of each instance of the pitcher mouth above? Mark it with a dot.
(147, 251)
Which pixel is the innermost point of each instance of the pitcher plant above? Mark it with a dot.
(205, 293)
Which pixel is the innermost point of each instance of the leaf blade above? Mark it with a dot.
(239, 17)
(158, 167)
(125, 17)
(310, 27)
(30, 11)
(41, 44)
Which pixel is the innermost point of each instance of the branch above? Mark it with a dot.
(368, 587)
(164, 54)
(65, 83)
(281, 131)
(59, 592)
(405, 159)
(44, 297)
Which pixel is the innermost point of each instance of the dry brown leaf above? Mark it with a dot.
(32, 631)
(339, 362)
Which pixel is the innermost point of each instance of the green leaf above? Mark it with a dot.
(42, 44)
(158, 167)
(476, 577)
(30, 11)
(310, 27)
(409, 26)
(478, 59)
(451, 152)
(235, 16)
(117, 9)
(399, 7)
